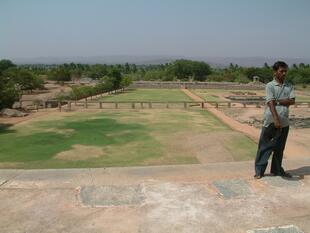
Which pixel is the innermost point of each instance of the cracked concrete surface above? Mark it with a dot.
(184, 198)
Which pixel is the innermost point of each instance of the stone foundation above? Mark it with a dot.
(197, 85)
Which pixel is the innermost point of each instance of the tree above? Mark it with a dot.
(182, 69)
(233, 67)
(38, 82)
(60, 74)
(9, 93)
(126, 81)
(134, 68)
(265, 74)
(152, 75)
(115, 77)
(25, 79)
(5, 64)
(241, 78)
(200, 70)
(75, 93)
(97, 71)
(108, 84)
(186, 69)
(301, 65)
(127, 68)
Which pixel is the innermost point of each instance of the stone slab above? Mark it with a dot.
(232, 188)
(282, 229)
(111, 195)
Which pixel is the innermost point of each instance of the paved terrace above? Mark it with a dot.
(213, 198)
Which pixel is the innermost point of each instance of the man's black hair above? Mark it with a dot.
(279, 64)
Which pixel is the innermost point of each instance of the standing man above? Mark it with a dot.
(279, 96)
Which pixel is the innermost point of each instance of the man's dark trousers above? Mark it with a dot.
(271, 140)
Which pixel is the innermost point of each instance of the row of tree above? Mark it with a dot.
(16, 79)
(185, 70)
(178, 70)
(106, 84)
(298, 74)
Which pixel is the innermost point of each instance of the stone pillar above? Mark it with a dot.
(86, 103)
(59, 106)
(69, 105)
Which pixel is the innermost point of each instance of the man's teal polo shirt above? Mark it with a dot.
(276, 91)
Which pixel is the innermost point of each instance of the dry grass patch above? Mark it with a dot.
(204, 147)
(80, 152)
(66, 132)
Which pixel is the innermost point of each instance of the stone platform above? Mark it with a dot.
(216, 198)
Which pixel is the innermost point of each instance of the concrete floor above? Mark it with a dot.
(213, 198)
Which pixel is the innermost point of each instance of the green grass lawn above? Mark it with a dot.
(160, 95)
(123, 138)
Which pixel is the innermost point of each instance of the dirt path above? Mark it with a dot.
(251, 132)
(293, 149)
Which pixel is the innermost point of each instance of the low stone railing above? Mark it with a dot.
(95, 104)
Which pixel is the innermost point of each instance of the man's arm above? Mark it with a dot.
(271, 102)
(286, 102)
(290, 100)
(274, 113)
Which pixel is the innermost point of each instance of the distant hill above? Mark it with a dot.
(116, 59)
(147, 60)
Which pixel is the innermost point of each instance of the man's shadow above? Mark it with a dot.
(299, 173)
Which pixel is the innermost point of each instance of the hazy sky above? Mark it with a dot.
(221, 28)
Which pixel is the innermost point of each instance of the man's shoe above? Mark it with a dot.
(286, 175)
(258, 177)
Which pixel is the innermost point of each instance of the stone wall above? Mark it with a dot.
(198, 85)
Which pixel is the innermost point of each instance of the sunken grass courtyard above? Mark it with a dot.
(123, 137)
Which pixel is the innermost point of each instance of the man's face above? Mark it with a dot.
(281, 73)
